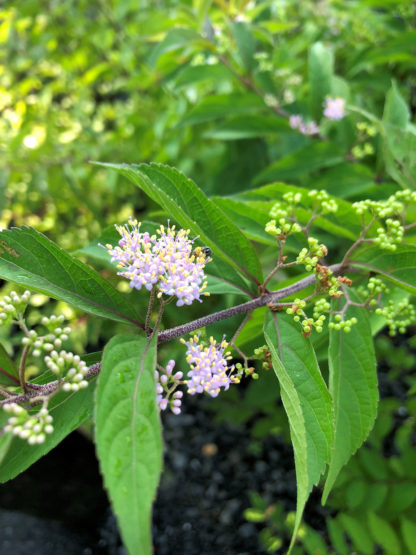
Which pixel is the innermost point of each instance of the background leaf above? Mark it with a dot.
(353, 386)
(128, 435)
(29, 258)
(306, 400)
(398, 267)
(222, 105)
(321, 62)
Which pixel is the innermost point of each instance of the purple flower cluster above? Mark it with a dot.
(165, 259)
(306, 128)
(334, 108)
(166, 383)
(209, 371)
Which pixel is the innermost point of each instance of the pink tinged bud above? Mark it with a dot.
(163, 404)
(176, 410)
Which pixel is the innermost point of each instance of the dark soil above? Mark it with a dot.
(209, 470)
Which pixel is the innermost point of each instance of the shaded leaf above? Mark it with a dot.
(301, 162)
(247, 126)
(222, 105)
(383, 534)
(9, 374)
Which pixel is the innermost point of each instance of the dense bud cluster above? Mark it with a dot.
(310, 257)
(166, 383)
(209, 371)
(398, 315)
(388, 238)
(31, 427)
(50, 341)
(340, 324)
(70, 368)
(285, 228)
(164, 260)
(375, 287)
(307, 323)
(12, 306)
(320, 306)
(323, 201)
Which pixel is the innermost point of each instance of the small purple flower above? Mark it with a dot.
(306, 128)
(334, 108)
(166, 383)
(209, 371)
(165, 259)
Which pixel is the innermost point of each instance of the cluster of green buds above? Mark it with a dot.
(393, 206)
(398, 315)
(297, 310)
(51, 340)
(340, 324)
(32, 427)
(322, 201)
(310, 256)
(285, 228)
(388, 238)
(247, 371)
(321, 306)
(263, 354)
(374, 288)
(68, 367)
(13, 306)
(363, 150)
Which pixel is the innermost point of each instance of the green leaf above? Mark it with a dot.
(396, 111)
(321, 69)
(128, 435)
(69, 410)
(232, 252)
(29, 258)
(301, 162)
(222, 105)
(306, 401)
(251, 221)
(408, 529)
(245, 41)
(398, 267)
(336, 536)
(247, 126)
(358, 533)
(174, 39)
(355, 493)
(401, 497)
(353, 386)
(9, 374)
(383, 534)
(195, 74)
